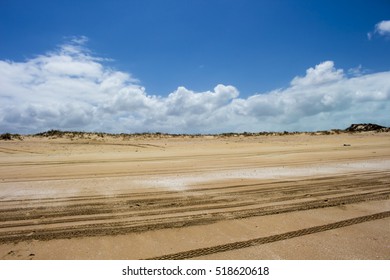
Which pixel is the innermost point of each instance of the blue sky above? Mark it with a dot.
(176, 53)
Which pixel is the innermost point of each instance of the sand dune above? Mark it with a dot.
(297, 196)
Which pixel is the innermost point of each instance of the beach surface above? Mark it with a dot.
(294, 196)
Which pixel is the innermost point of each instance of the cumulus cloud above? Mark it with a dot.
(382, 28)
(334, 103)
(71, 89)
(321, 74)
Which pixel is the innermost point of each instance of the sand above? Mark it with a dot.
(295, 196)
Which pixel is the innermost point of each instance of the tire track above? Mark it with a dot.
(85, 229)
(269, 239)
(213, 207)
(308, 186)
(55, 218)
(130, 208)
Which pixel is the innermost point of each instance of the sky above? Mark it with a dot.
(204, 66)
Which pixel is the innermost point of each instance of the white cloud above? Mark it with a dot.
(322, 73)
(382, 28)
(70, 89)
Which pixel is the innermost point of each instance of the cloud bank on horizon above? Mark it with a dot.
(71, 89)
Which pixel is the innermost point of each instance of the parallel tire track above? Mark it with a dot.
(269, 239)
(68, 217)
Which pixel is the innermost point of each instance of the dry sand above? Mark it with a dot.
(258, 197)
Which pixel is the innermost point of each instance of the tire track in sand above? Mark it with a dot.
(269, 239)
(45, 219)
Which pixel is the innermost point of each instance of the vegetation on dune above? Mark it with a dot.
(366, 127)
(54, 133)
(10, 136)
(353, 128)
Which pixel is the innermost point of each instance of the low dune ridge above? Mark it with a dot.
(55, 133)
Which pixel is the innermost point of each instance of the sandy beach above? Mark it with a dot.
(295, 196)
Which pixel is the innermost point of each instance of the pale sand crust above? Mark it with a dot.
(150, 197)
